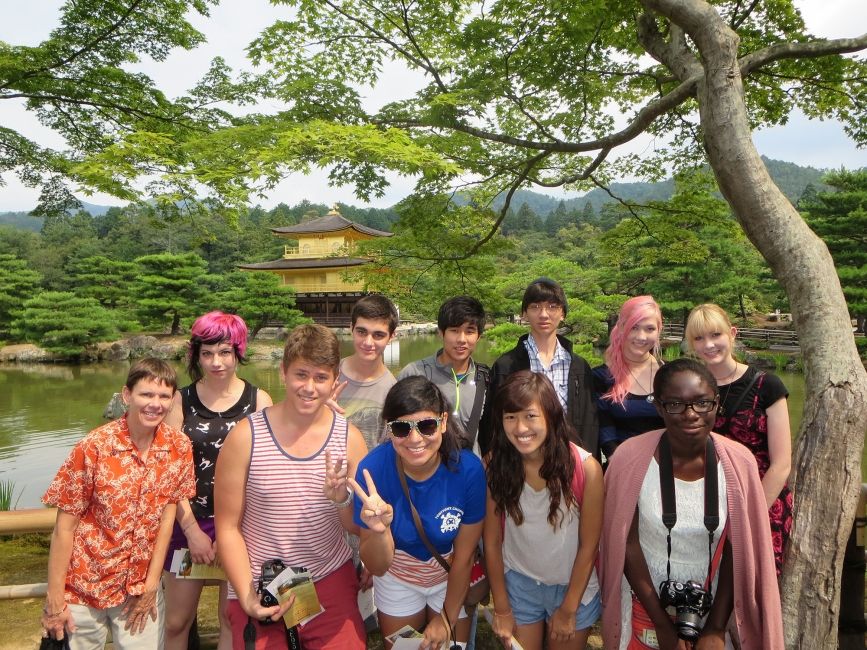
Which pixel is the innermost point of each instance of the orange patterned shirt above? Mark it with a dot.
(119, 498)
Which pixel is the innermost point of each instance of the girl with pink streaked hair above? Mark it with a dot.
(206, 411)
(624, 384)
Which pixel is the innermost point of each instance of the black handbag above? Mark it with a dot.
(50, 643)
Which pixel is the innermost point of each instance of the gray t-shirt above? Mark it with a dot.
(363, 402)
(442, 376)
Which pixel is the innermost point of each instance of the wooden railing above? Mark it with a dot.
(326, 287)
(783, 337)
(17, 522)
(304, 252)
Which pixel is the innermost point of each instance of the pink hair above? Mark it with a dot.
(633, 311)
(216, 326)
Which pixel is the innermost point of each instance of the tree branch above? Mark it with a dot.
(674, 53)
(581, 176)
(639, 124)
(754, 60)
(82, 50)
(519, 179)
(738, 20)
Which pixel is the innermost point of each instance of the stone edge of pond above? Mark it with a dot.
(267, 346)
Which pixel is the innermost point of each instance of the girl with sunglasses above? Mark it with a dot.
(543, 522)
(684, 504)
(420, 467)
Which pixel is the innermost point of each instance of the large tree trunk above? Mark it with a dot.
(827, 468)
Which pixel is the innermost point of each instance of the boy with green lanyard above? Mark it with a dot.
(461, 379)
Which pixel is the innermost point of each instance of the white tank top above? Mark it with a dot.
(522, 544)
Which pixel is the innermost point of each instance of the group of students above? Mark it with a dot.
(671, 545)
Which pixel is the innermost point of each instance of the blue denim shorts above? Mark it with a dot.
(533, 601)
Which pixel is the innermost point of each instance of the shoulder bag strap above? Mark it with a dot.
(577, 476)
(482, 379)
(416, 519)
(729, 412)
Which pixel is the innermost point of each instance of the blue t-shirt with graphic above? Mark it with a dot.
(444, 501)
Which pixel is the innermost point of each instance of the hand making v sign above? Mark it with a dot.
(375, 513)
(336, 489)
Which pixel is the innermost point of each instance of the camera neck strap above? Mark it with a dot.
(669, 503)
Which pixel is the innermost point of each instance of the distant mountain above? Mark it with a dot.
(792, 179)
(25, 221)
(21, 220)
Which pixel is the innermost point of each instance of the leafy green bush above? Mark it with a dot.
(64, 323)
(502, 337)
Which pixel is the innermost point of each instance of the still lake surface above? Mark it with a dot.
(46, 408)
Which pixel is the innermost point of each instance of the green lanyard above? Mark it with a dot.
(458, 381)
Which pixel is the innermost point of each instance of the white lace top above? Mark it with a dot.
(689, 554)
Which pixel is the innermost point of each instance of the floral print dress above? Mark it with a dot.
(749, 426)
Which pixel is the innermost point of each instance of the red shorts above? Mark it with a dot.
(339, 627)
(643, 630)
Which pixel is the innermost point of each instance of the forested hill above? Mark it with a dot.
(791, 178)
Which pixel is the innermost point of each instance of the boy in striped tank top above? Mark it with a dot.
(281, 493)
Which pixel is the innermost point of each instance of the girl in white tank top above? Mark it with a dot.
(543, 522)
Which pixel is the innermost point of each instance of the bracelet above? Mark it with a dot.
(188, 526)
(347, 501)
(53, 614)
(509, 613)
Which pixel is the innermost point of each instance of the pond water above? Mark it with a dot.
(45, 409)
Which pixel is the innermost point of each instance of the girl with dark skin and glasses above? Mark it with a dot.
(731, 558)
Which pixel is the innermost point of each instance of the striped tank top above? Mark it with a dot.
(286, 514)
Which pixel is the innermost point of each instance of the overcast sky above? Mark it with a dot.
(234, 23)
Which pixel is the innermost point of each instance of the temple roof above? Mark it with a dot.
(331, 222)
(284, 264)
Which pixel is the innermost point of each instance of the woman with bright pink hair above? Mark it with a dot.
(623, 385)
(206, 411)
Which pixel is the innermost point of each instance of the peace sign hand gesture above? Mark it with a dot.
(375, 513)
(336, 488)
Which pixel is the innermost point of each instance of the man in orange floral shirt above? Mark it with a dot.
(116, 496)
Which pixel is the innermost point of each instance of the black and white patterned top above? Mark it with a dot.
(207, 430)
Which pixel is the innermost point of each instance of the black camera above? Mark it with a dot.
(690, 601)
(270, 570)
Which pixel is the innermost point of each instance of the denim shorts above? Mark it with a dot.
(533, 601)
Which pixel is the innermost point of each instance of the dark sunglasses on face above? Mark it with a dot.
(425, 426)
(699, 406)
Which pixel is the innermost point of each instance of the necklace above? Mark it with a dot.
(728, 386)
(649, 393)
(459, 379)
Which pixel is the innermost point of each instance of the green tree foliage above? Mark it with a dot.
(76, 85)
(64, 323)
(423, 263)
(65, 237)
(840, 218)
(18, 282)
(523, 221)
(258, 298)
(102, 278)
(685, 251)
(169, 286)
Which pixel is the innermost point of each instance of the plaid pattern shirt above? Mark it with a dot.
(557, 372)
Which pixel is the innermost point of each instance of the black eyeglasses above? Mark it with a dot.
(425, 426)
(699, 406)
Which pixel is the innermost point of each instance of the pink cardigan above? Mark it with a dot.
(757, 611)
